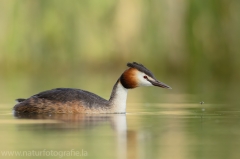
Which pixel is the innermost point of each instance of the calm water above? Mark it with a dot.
(181, 131)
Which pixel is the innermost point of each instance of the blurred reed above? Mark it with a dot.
(192, 44)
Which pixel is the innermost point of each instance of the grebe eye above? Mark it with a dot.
(145, 77)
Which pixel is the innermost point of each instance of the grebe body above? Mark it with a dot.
(68, 100)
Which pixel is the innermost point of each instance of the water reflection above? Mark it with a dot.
(87, 121)
(84, 121)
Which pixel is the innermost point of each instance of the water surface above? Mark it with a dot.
(181, 131)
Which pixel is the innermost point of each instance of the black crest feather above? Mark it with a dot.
(141, 68)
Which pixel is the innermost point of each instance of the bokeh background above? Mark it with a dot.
(191, 45)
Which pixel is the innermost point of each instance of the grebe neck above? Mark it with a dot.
(118, 98)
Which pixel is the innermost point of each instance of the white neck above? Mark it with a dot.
(118, 98)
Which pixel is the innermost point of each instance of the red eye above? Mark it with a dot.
(145, 77)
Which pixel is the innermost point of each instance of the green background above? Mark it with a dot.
(191, 45)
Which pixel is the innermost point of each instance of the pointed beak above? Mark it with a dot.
(159, 84)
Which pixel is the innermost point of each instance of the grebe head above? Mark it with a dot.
(138, 75)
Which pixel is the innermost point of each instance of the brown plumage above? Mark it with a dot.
(128, 78)
(39, 105)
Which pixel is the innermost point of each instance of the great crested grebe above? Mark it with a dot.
(68, 100)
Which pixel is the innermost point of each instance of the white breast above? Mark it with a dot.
(120, 99)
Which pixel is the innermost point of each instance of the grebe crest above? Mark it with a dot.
(68, 100)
